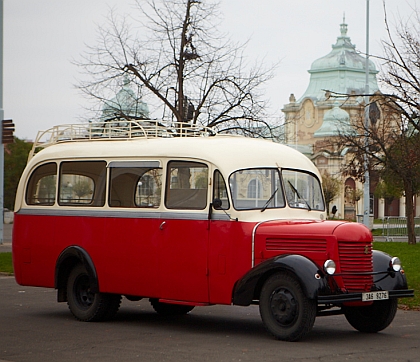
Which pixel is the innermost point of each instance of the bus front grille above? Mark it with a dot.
(356, 258)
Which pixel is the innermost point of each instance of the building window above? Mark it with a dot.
(254, 189)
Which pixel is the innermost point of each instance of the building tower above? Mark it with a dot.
(332, 101)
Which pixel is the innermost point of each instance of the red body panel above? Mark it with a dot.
(195, 261)
(185, 260)
(313, 239)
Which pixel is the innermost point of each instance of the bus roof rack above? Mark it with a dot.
(117, 129)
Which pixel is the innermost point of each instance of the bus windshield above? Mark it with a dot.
(303, 190)
(258, 188)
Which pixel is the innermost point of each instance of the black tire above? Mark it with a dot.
(373, 318)
(85, 305)
(170, 309)
(285, 311)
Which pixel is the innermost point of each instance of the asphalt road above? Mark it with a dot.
(34, 327)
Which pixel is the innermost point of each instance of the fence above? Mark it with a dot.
(395, 227)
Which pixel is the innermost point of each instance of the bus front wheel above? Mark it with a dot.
(373, 318)
(285, 310)
(86, 305)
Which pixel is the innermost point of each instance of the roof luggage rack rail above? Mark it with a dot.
(117, 130)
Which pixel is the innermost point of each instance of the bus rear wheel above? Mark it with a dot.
(285, 310)
(170, 309)
(86, 305)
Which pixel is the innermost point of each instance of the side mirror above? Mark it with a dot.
(217, 204)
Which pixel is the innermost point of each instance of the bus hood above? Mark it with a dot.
(315, 239)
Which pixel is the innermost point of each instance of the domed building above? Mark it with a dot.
(342, 70)
(331, 104)
(125, 104)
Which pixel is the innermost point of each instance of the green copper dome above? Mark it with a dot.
(126, 103)
(341, 71)
(336, 122)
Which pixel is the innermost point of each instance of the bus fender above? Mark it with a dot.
(68, 258)
(309, 275)
(387, 281)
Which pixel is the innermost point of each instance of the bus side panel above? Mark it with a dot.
(230, 257)
(34, 249)
(123, 250)
(183, 269)
(127, 257)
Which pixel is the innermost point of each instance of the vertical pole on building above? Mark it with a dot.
(1, 118)
(366, 188)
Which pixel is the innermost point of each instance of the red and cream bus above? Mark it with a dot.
(185, 218)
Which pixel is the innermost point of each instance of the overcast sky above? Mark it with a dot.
(42, 37)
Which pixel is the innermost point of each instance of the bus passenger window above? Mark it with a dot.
(149, 188)
(134, 187)
(186, 185)
(82, 183)
(42, 185)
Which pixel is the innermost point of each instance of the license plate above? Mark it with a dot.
(378, 295)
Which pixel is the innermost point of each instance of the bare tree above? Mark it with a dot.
(400, 74)
(400, 78)
(392, 152)
(393, 130)
(181, 65)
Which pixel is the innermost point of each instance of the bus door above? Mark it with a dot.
(133, 231)
(183, 269)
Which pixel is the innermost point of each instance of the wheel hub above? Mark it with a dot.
(283, 306)
(83, 293)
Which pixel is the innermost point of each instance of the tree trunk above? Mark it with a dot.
(409, 212)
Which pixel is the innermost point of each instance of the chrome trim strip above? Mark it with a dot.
(253, 239)
(128, 214)
(129, 164)
(253, 243)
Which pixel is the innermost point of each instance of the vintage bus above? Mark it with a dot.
(186, 217)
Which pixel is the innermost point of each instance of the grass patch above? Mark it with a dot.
(410, 259)
(377, 232)
(6, 263)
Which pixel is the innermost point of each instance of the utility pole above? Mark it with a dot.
(366, 186)
(1, 128)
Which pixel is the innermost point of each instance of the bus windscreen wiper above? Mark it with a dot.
(299, 197)
(269, 200)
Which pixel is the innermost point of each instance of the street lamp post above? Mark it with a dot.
(366, 188)
(1, 118)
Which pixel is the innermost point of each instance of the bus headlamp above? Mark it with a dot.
(395, 264)
(329, 267)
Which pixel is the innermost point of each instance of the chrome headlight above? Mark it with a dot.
(329, 267)
(395, 264)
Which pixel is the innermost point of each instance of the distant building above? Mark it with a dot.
(126, 103)
(317, 116)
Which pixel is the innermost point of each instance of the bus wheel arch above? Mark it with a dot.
(305, 271)
(66, 262)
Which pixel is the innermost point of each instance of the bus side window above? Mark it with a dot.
(149, 189)
(41, 188)
(82, 183)
(220, 190)
(135, 186)
(186, 185)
